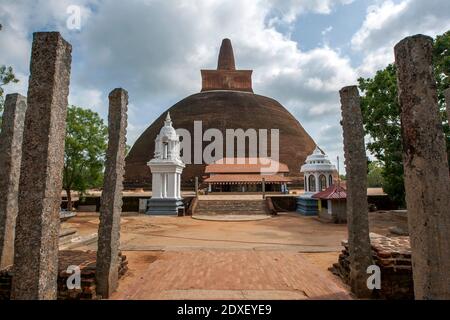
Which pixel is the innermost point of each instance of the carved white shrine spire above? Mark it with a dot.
(167, 142)
(166, 168)
(168, 121)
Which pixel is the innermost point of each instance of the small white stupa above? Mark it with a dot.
(318, 171)
(166, 168)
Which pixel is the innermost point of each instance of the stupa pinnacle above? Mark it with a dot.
(226, 77)
(226, 56)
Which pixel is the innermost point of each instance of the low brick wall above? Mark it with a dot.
(393, 256)
(86, 260)
(284, 203)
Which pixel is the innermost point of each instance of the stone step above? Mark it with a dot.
(231, 213)
(237, 208)
(247, 204)
(231, 207)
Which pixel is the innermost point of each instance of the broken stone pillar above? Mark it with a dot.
(111, 201)
(37, 228)
(357, 208)
(10, 156)
(447, 102)
(427, 181)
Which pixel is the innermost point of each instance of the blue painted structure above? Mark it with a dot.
(307, 206)
(165, 207)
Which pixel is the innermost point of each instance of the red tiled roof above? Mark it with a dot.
(246, 178)
(244, 165)
(332, 192)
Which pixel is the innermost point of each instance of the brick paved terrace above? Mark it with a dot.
(284, 257)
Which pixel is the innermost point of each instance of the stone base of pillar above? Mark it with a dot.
(164, 207)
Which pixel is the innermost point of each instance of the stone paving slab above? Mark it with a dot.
(239, 274)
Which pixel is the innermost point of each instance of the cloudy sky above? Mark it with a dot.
(302, 51)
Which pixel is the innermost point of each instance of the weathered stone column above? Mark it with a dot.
(10, 157)
(447, 102)
(196, 186)
(427, 181)
(357, 208)
(36, 243)
(111, 201)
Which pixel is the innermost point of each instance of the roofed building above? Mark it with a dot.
(247, 175)
(332, 203)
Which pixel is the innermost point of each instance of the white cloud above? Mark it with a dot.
(155, 50)
(89, 98)
(387, 23)
(286, 11)
(378, 16)
(327, 30)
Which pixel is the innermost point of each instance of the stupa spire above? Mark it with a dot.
(226, 56)
(226, 77)
(168, 121)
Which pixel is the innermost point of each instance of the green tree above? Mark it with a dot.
(381, 116)
(374, 174)
(86, 143)
(6, 76)
(441, 63)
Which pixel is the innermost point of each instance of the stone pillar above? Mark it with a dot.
(164, 185)
(37, 228)
(263, 186)
(157, 186)
(427, 181)
(107, 271)
(10, 156)
(447, 102)
(171, 185)
(196, 186)
(179, 185)
(357, 208)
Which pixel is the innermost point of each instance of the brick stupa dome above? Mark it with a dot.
(226, 101)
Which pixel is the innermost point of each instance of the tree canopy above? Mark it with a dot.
(374, 174)
(381, 116)
(6, 76)
(86, 143)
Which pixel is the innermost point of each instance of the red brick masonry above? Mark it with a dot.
(86, 260)
(393, 256)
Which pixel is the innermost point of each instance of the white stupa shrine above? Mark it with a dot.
(166, 168)
(318, 171)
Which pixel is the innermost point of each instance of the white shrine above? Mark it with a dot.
(166, 168)
(318, 171)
